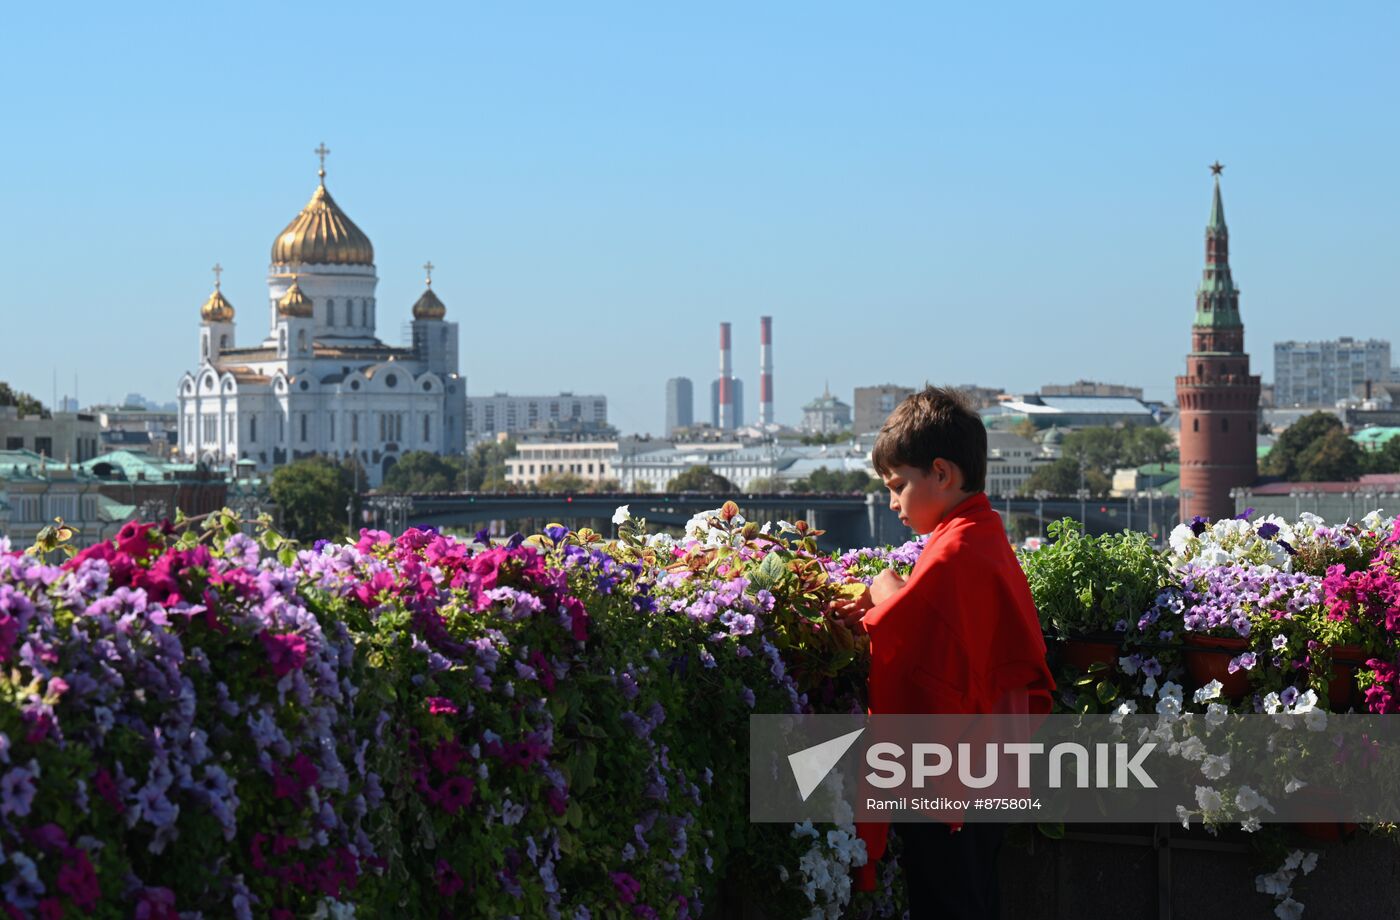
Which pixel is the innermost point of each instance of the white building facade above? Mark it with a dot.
(320, 381)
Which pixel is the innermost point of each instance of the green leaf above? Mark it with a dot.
(1055, 831)
(1106, 691)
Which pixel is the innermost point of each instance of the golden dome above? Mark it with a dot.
(217, 309)
(294, 302)
(322, 235)
(429, 306)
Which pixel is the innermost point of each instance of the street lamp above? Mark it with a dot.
(1083, 495)
(1040, 496)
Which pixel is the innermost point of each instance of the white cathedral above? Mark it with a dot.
(320, 381)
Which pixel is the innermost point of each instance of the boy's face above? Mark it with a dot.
(922, 498)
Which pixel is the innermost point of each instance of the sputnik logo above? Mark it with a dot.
(811, 765)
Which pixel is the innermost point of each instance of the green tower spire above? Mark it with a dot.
(1217, 299)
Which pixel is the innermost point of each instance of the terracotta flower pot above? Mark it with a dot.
(1081, 653)
(1325, 831)
(1341, 689)
(1208, 658)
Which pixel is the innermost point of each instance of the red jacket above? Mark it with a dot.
(962, 636)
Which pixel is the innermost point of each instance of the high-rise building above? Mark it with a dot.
(874, 404)
(680, 404)
(736, 406)
(1321, 373)
(1217, 397)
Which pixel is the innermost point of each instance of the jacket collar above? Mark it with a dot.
(971, 506)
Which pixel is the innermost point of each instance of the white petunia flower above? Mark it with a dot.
(1210, 691)
(1215, 766)
(622, 515)
(1208, 799)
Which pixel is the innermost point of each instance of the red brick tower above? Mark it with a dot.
(1217, 397)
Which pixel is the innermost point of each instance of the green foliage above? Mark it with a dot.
(1101, 451)
(1062, 478)
(1085, 584)
(1285, 458)
(486, 466)
(828, 480)
(700, 479)
(831, 437)
(1385, 460)
(421, 471)
(563, 482)
(1331, 458)
(27, 404)
(312, 495)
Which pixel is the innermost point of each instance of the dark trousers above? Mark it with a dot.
(951, 875)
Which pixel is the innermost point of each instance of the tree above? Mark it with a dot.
(421, 471)
(27, 404)
(767, 484)
(824, 479)
(486, 466)
(1061, 478)
(700, 479)
(312, 495)
(1026, 429)
(1385, 460)
(830, 437)
(562, 482)
(1333, 457)
(1284, 457)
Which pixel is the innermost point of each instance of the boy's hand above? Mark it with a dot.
(849, 610)
(885, 586)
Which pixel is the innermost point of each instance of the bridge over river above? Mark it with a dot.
(849, 520)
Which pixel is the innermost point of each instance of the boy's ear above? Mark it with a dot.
(948, 473)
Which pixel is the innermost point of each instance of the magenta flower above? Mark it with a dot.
(441, 706)
(286, 652)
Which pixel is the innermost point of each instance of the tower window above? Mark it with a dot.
(302, 417)
(1224, 424)
(1195, 424)
(330, 313)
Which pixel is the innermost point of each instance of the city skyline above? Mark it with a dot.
(607, 178)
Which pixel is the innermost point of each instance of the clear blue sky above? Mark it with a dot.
(1007, 195)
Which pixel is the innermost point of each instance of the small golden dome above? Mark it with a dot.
(217, 309)
(294, 302)
(322, 235)
(429, 306)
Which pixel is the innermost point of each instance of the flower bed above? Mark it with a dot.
(197, 721)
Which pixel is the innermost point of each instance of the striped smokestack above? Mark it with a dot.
(765, 370)
(726, 380)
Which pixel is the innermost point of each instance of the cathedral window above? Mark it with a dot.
(253, 429)
(302, 418)
(223, 342)
(427, 427)
(330, 312)
(332, 427)
(354, 427)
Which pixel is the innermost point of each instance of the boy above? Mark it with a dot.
(960, 635)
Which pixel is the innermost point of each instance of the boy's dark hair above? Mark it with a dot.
(934, 423)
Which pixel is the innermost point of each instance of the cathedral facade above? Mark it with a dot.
(320, 381)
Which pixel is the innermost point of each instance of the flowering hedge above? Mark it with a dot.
(197, 721)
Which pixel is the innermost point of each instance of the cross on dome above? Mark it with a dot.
(428, 267)
(217, 270)
(321, 152)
